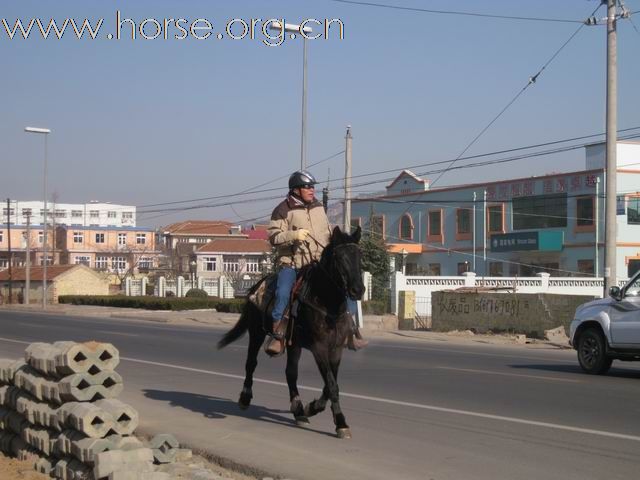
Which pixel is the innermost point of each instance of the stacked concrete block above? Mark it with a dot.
(60, 411)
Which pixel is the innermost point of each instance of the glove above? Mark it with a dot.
(301, 235)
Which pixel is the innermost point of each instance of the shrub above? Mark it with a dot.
(229, 305)
(196, 293)
(375, 307)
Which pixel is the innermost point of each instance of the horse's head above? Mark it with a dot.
(343, 260)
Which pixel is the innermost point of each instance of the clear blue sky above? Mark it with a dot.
(143, 122)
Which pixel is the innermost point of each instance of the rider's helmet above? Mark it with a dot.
(300, 179)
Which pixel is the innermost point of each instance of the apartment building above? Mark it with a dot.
(98, 214)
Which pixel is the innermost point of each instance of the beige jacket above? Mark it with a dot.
(290, 215)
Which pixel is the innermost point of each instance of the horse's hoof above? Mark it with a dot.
(302, 421)
(343, 432)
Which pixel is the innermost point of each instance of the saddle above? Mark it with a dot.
(263, 295)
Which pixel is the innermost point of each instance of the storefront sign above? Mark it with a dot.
(527, 241)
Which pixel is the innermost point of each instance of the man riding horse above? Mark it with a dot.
(299, 230)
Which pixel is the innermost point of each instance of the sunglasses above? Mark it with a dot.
(308, 187)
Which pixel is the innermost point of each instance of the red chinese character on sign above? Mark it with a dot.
(576, 183)
(516, 190)
(491, 192)
(561, 184)
(503, 191)
(528, 188)
(548, 186)
(591, 180)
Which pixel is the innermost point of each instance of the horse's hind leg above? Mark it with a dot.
(293, 357)
(256, 337)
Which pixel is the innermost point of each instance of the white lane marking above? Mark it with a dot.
(466, 352)
(489, 372)
(434, 408)
(118, 333)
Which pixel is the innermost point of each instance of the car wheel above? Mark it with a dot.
(592, 352)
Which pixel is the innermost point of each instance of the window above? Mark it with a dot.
(119, 264)
(127, 215)
(99, 237)
(111, 214)
(60, 213)
(209, 264)
(49, 260)
(586, 267)
(434, 269)
(584, 213)
(434, 233)
(463, 267)
(377, 225)
(40, 237)
(141, 238)
(406, 227)
(78, 237)
(542, 211)
(76, 213)
(83, 260)
(633, 211)
(1, 235)
(11, 212)
(145, 263)
(496, 218)
(94, 213)
(26, 212)
(4, 263)
(122, 239)
(231, 264)
(463, 224)
(101, 263)
(495, 269)
(43, 211)
(252, 265)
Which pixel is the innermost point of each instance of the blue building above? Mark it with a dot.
(519, 227)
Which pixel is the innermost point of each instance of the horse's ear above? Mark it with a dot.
(336, 235)
(357, 234)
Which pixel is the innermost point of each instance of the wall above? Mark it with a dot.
(80, 281)
(527, 313)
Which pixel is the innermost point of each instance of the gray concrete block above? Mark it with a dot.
(139, 460)
(81, 447)
(43, 465)
(28, 379)
(86, 418)
(41, 357)
(72, 357)
(3, 393)
(125, 417)
(125, 442)
(8, 369)
(39, 438)
(164, 447)
(107, 357)
(84, 387)
(72, 469)
(16, 422)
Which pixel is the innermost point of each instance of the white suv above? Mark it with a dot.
(608, 329)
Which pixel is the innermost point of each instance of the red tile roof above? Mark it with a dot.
(232, 245)
(199, 227)
(257, 234)
(53, 271)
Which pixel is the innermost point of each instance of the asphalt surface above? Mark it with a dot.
(418, 408)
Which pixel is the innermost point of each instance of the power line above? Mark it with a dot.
(530, 82)
(453, 12)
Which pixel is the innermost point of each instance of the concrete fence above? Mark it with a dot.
(424, 286)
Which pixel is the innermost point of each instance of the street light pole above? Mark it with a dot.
(290, 27)
(45, 132)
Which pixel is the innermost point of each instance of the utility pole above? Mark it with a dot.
(303, 139)
(347, 181)
(10, 252)
(28, 262)
(610, 277)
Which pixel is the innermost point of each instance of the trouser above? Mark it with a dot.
(286, 280)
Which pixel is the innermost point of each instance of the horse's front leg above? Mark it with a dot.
(293, 357)
(342, 429)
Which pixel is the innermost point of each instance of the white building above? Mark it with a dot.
(92, 214)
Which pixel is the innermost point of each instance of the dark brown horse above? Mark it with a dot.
(322, 325)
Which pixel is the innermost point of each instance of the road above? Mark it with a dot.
(418, 408)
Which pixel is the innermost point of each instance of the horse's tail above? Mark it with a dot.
(238, 329)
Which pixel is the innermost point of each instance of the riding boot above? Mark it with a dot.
(355, 341)
(275, 346)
